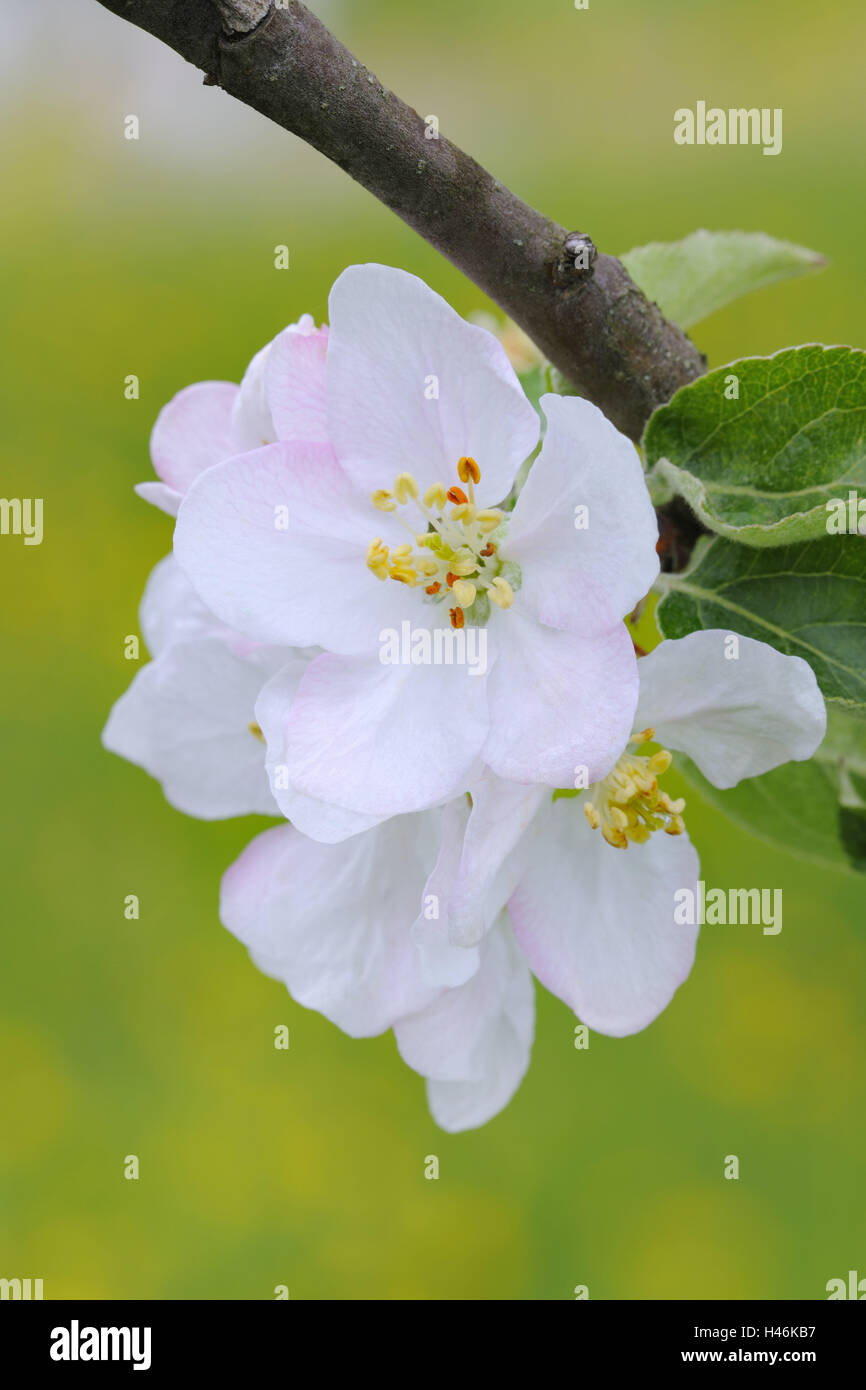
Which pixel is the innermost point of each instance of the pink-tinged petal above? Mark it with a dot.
(492, 855)
(558, 702)
(295, 384)
(412, 386)
(186, 720)
(382, 740)
(737, 707)
(192, 432)
(473, 1043)
(160, 495)
(276, 541)
(319, 819)
(443, 962)
(252, 425)
(333, 921)
(597, 924)
(583, 569)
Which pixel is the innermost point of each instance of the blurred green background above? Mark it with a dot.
(154, 1037)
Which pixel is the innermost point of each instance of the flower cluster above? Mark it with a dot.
(443, 838)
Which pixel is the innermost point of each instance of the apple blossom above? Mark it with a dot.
(339, 925)
(597, 924)
(403, 926)
(188, 718)
(400, 517)
(281, 396)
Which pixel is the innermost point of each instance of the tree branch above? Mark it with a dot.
(584, 312)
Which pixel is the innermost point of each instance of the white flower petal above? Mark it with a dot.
(597, 924)
(473, 1043)
(557, 701)
(166, 499)
(275, 542)
(319, 819)
(185, 719)
(443, 962)
(382, 740)
(734, 717)
(393, 341)
(171, 610)
(583, 578)
(491, 855)
(333, 921)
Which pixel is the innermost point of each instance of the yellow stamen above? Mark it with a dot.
(377, 558)
(405, 487)
(627, 805)
(256, 732)
(435, 497)
(501, 593)
(464, 593)
(462, 567)
(661, 761)
(404, 574)
(464, 511)
(453, 553)
(468, 470)
(614, 837)
(382, 500)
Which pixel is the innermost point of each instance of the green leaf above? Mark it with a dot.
(690, 279)
(805, 600)
(761, 468)
(801, 806)
(853, 832)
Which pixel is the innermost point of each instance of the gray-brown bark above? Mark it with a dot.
(593, 323)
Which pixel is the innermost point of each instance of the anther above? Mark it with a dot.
(456, 616)
(435, 496)
(405, 487)
(464, 592)
(468, 470)
(465, 512)
(377, 558)
(383, 500)
(501, 592)
(661, 761)
(614, 837)
(456, 494)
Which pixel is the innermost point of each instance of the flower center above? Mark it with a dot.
(457, 556)
(628, 805)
